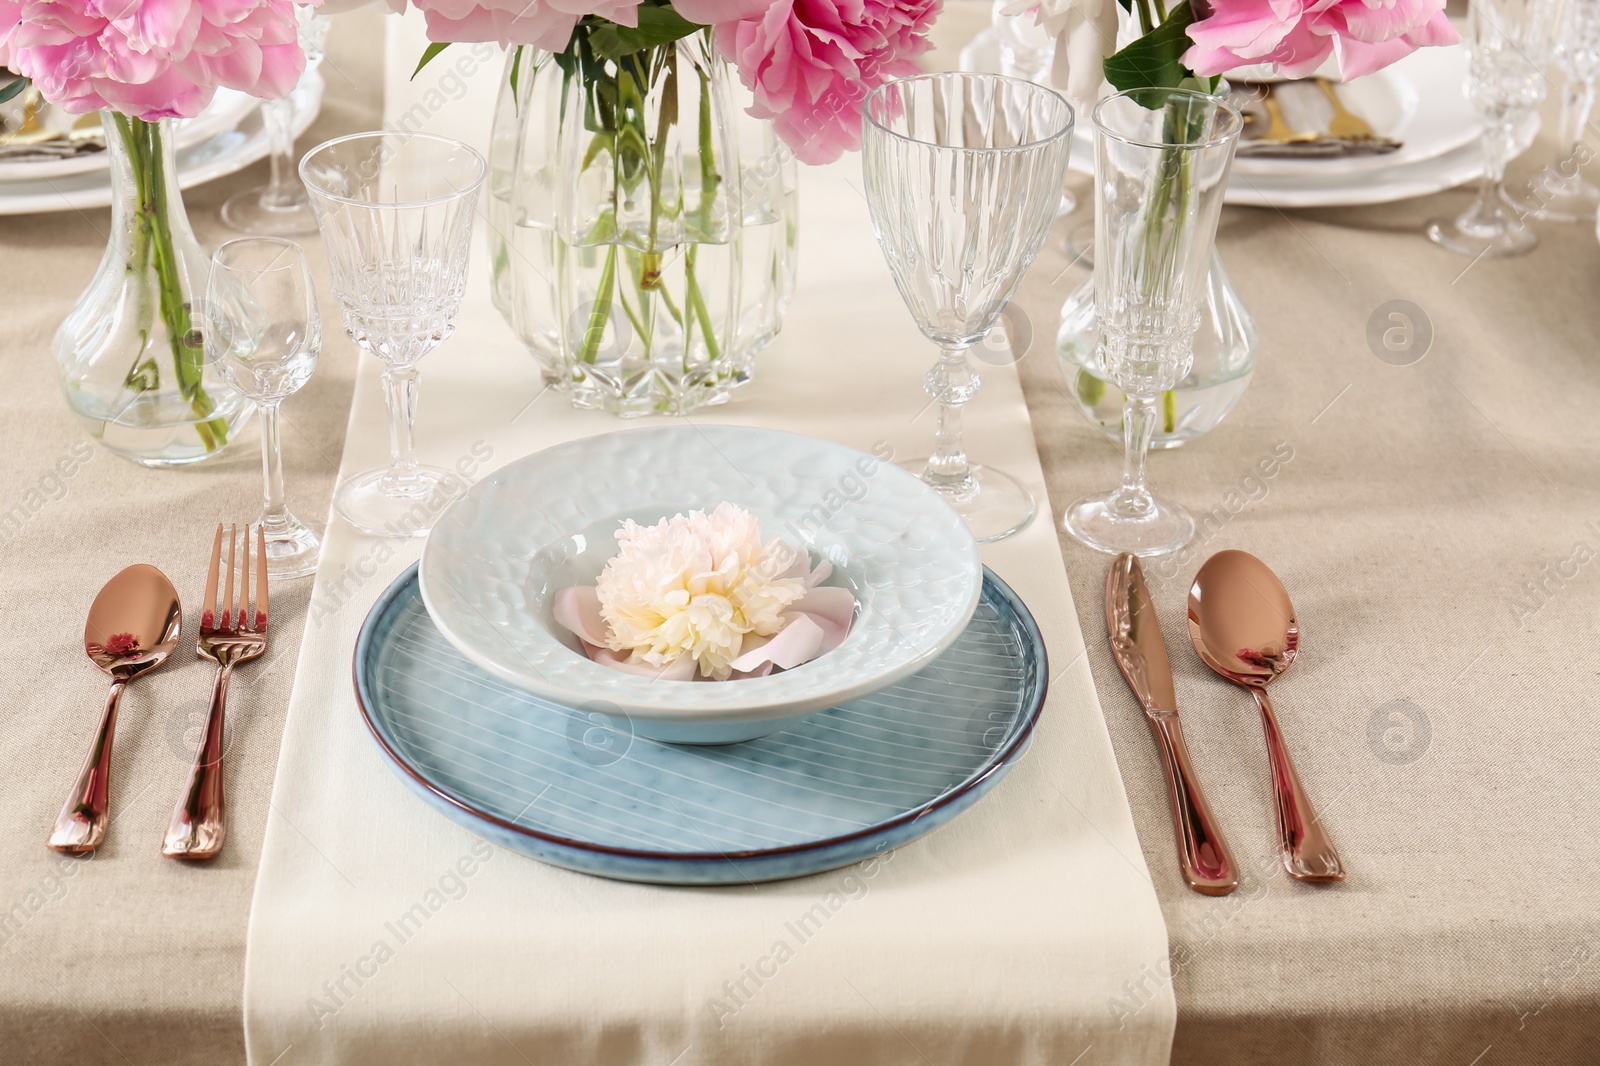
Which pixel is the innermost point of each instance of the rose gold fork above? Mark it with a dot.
(196, 829)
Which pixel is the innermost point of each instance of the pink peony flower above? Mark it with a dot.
(546, 24)
(150, 59)
(810, 64)
(1297, 36)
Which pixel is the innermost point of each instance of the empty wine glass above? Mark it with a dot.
(264, 333)
(963, 172)
(281, 207)
(395, 210)
(1561, 193)
(1508, 47)
(1161, 159)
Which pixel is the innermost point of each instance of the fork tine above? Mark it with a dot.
(227, 597)
(261, 579)
(208, 606)
(243, 622)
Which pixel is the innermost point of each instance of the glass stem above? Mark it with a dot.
(274, 512)
(1138, 427)
(283, 188)
(400, 390)
(1577, 100)
(951, 383)
(1498, 136)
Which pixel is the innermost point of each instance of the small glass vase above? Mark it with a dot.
(641, 278)
(130, 356)
(1224, 361)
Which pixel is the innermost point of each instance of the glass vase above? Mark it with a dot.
(130, 356)
(643, 226)
(1224, 361)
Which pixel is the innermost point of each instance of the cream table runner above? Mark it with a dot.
(1003, 937)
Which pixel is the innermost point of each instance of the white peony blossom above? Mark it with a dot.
(1085, 33)
(697, 585)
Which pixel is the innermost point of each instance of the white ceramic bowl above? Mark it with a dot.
(546, 521)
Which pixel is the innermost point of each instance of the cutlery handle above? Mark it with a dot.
(81, 825)
(196, 829)
(1307, 851)
(1207, 863)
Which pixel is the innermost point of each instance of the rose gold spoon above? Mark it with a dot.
(1242, 626)
(133, 626)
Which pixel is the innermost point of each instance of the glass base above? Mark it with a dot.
(1111, 524)
(993, 508)
(1471, 235)
(1079, 244)
(387, 504)
(1578, 201)
(250, 212)
(292, 547)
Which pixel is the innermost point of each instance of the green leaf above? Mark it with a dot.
(1156, 59)
(16, 86)
(427, 56)
(657, 25)
(516, 67)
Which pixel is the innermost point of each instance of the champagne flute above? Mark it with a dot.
(1561, 193)
(1509, 43)
(1161, 160)
(263, 331)
(963, 174)
(281, 207)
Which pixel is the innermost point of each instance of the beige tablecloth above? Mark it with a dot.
(127, 956)
(1418, 507)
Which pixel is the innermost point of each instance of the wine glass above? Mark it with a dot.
(281, 207)
(1561, 193)
(395, 210)
(1508, 47)
(264, 333)
(963, 173)
(1161, 159)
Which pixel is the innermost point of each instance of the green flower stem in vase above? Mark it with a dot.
(131, 355)
(648, 228)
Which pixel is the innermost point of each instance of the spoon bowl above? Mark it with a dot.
(1242, 625)
(133, 628)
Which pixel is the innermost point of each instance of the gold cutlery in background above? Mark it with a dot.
(1345, 125)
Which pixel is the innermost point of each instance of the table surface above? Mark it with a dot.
(1434, 522)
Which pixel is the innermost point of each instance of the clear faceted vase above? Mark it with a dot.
(130, 355)
(1224, 360)
(643, 225)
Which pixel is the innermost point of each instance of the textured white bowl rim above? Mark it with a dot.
(949, 562)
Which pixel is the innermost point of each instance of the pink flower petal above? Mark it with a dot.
(578, 609)
(798, 642)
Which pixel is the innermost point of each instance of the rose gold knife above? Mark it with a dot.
(1141, 654)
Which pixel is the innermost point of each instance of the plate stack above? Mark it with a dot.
(53, 161)
(492, 712)
(1419, 104)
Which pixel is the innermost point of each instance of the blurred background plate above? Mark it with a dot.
(224, 152)
(1420, 100)
(227, 109)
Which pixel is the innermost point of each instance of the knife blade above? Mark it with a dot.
(1141, 655)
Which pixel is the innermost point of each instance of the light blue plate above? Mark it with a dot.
(568, 786)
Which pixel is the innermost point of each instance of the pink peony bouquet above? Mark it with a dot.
(150, 59)
(809, 63)
(1196, 41)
